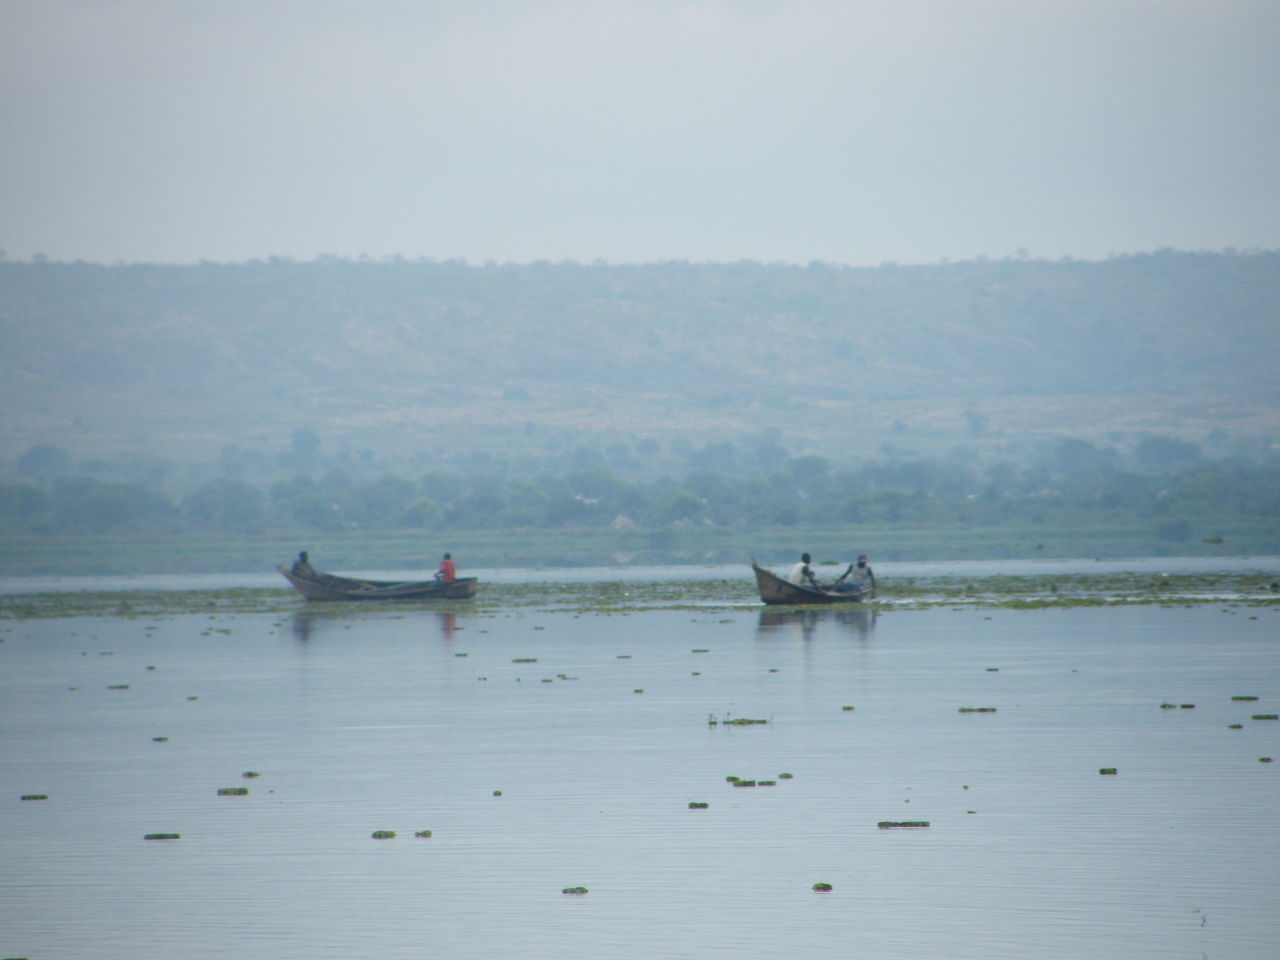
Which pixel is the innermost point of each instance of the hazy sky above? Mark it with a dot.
(636, 130)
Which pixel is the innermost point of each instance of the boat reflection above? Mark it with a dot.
(774, 624)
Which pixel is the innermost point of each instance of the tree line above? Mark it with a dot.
(1165, 480)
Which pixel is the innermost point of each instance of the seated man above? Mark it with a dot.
(447, 572)
(302, 566)
(802, 574)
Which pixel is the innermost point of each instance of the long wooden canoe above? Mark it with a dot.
(327, 586)
(774, 589)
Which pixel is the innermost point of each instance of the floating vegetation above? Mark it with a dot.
(896, 824)
(1107, 771)
(424, 834)
(701, 650)
(1243, 699)
(638, 690)
(744, 783)
(233, 791)
(1235, 726)
(977, 710)
(822, 888)
(730, 778)
(577, 891)
(767, 783)
(1168, 706)
(733, 721)
(848, 708)
(785, 776)
(624, 656)
(118, 686)
(525, 660)
(160, 739)
(1187, 706)
(1264, 759)
(497, 793)
(384, 835)
(993, 669)
(698, 805)
(35, 796)
(250, 774)
(163, 836)
(193, 698)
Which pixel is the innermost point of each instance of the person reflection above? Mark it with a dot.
(804, 623)
(448, 623)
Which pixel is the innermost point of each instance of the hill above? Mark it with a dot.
(401, 354)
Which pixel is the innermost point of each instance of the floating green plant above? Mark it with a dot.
(731, 779)
(233, 791)
(525, 660)
(1107, 771)
(977, 710)
(163, 836)
(35, 796)
(384, 834)
(822, 888)
(735, 721)
(895, 824)
(744, 783)
(497, 793)
(1264, 759)
(118, 686)
(1235, 726)
(578, 891)
(847, 708)
(638, 690)
(767, 783)
(1265, 716)
(993, 669)
(785, 776)
(424, 834)
(701, 650)
(250, 774)
(1244, 698)
(1187, 706)
(1168, 706)
(698, 805)
(160, 739)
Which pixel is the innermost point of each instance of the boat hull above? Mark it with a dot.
(327, 586)
(775, 590)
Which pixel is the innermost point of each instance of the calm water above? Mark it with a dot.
(375, 720)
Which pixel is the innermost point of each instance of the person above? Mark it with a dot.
(858, 577)
(802, 574)
(302, 566)
(447, 572)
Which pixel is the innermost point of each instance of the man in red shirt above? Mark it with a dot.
(447, 572)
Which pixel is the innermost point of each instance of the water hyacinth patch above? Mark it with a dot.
(233, 791)
(384, 835)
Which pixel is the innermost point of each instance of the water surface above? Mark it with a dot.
(409, 720)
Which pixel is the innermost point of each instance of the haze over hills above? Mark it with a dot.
(395, 354)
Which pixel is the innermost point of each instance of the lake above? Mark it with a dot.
(548, 749)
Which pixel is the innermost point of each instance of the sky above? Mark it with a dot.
(858, 132)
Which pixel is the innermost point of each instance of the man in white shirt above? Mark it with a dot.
(802, 575)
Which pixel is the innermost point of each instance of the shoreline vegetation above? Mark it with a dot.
(23, 555)
(1234, 589)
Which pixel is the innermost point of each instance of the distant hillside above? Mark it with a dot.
(215, 353)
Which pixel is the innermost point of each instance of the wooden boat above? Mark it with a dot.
(775, 589)
(327, 586)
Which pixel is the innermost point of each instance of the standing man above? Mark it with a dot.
(447, 572)
(858, 577)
